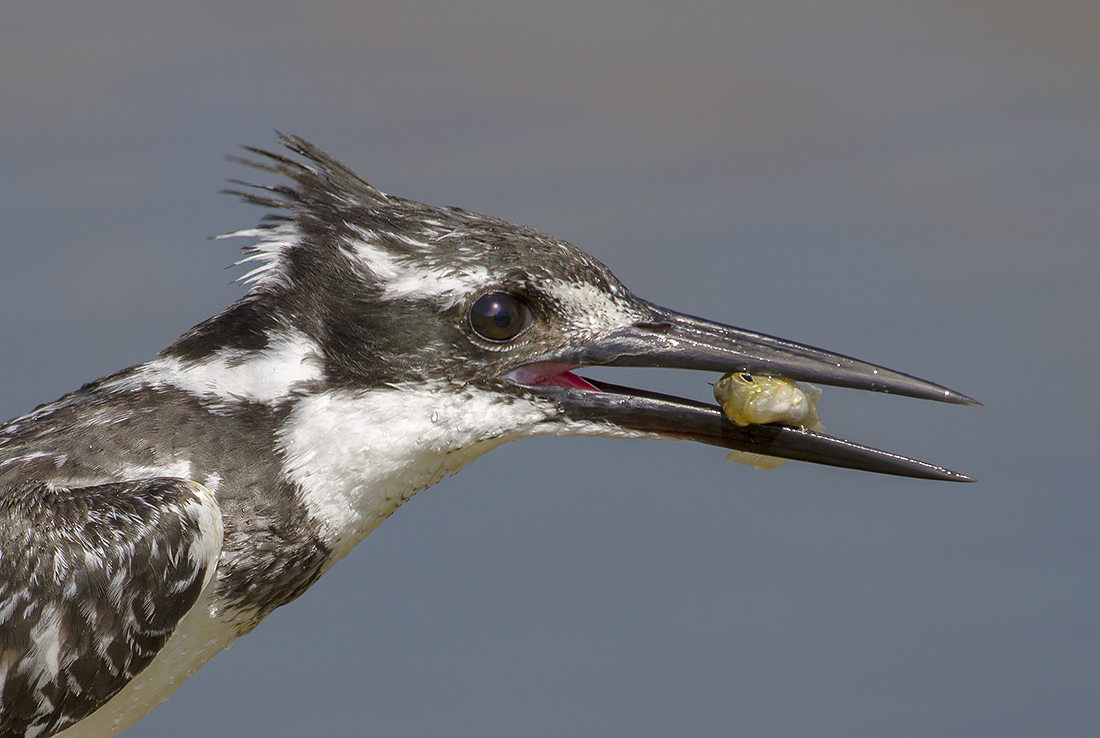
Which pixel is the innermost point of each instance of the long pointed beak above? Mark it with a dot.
(677, 341)
(673, 340)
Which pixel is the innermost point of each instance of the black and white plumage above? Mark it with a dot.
(151, 517)
(91, 599)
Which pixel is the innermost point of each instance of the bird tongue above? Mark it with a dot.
(569, 379)
(550, 374)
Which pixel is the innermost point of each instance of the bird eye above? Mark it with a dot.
(499, 317)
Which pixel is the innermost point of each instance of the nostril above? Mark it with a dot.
(662, 327)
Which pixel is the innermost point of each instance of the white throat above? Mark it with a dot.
(358, 455)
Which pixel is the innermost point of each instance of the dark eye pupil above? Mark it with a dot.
(747, 378)
(498, 316)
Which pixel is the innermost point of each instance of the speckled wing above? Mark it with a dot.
(93, 581)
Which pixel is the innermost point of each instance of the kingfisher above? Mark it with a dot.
(153, 516)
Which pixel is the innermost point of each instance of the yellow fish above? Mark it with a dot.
(752, 399)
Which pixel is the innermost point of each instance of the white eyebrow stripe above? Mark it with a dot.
(444, 286)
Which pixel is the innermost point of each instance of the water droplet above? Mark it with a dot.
(212, 610)
(435, 417)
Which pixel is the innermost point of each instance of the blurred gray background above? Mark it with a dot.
(913, 183)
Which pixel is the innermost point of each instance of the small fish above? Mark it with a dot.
(752, 399)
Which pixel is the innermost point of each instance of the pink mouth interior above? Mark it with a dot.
(550, 374)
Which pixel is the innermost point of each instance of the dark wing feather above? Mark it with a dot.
(93, 581)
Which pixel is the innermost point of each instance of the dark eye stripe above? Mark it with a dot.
(499, 317)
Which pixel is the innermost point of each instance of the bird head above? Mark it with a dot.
(393, 295)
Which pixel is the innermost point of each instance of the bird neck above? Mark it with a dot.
(356, 456)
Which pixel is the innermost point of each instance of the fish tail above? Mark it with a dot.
(760, 461)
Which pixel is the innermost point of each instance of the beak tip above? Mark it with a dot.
(950, 476)
(957, 398)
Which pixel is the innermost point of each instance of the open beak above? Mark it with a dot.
(677, 341)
